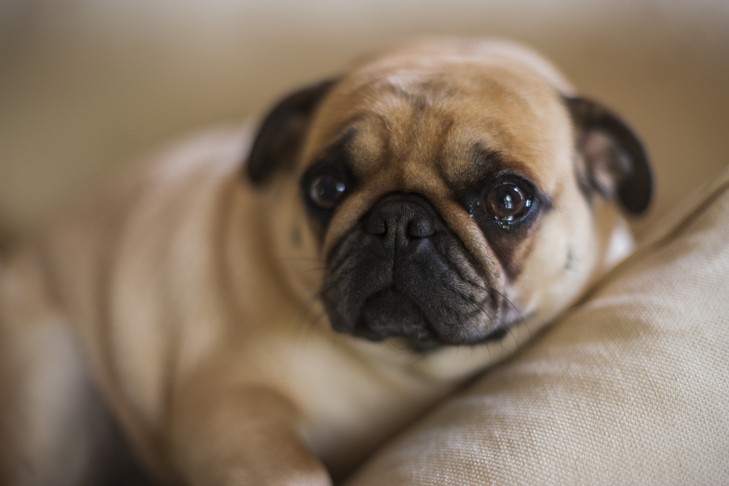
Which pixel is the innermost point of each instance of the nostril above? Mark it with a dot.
(420, 228)
(399, 218)
(375, 225)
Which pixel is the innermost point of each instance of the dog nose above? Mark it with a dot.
(401, 218)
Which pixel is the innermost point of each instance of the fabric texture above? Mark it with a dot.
(631, 387)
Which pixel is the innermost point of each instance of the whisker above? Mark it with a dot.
(315, 261)
(341, 256)
(481, 306)
(519, 318)
(519, 315)
(310, 305)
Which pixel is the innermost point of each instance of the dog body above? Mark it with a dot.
(395, 231)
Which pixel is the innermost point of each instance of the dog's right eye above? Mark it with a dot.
(510, 201)
(507, 202)
(326, 190)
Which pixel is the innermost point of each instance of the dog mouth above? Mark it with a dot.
(403, 273)
(390, 313)
(426, 301)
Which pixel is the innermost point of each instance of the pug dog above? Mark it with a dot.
(393, 231)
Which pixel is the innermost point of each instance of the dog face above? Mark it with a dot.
(450, 194)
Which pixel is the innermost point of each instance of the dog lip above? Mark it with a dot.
(370, 335)
(423, 338)
(391, 313)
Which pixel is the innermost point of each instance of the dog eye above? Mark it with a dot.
(507, 202)
(326, 190)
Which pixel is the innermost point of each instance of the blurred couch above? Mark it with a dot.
(625, 390)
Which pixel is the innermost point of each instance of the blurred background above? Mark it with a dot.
(88, 85)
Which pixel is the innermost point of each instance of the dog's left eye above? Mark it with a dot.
(508, 202)
(326, 190)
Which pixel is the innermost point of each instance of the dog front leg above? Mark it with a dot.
(241, 436)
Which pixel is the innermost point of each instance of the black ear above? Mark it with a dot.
(282, 132)
(617, 164)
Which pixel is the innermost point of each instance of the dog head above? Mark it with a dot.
(450, 190)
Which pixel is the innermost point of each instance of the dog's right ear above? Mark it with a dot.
(617, 164)
(281, 134)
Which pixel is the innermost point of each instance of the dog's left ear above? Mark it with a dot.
(282, 132)
(617, 164)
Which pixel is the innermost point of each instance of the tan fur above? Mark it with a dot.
(197, 317)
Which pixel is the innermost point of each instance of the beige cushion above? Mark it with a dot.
(630, 387)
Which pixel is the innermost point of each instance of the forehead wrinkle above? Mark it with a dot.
(371, 147)
(400, 114)
(385, 129)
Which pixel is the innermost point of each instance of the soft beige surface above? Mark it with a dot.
(87, 85)
(631, 388)
(625, 391)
